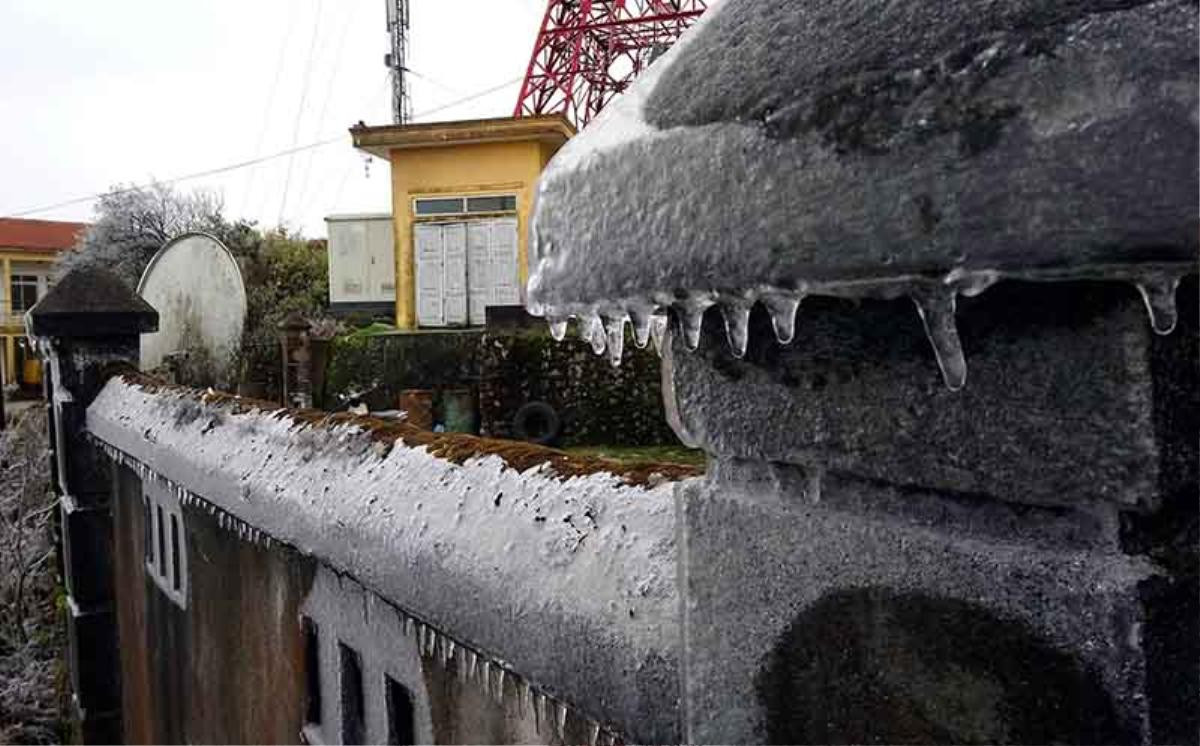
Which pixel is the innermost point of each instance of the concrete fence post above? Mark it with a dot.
(83, 326)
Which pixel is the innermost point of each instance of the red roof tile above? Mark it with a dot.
(40, 236)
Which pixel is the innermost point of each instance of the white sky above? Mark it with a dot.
(94, 94)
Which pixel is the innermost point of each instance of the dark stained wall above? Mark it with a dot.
(229, 667)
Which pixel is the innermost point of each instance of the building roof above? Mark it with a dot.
(378, 141)
(38, 236)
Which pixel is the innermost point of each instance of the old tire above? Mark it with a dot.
(537, 422)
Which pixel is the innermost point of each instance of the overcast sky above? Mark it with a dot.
(95, 94)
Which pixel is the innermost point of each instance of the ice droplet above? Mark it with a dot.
(558, 327)
(658, 331)
(641, 318)
(937, 313)
(737, 325)
(615, 333)
(782, 308)
(1158, 292)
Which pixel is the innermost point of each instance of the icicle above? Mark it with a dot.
(593, 332)
(500, 686)
(782, 308)
(472, 659)
(658, 331)
(539, 711)
(737, 325)
(406, 627)
(452, 649)
(561, 712)
(558, 327)
(972, 283)
(937, 313)
(524, 697)
(640, 317)
(615, 332)
(486, 673)
(594, 734)
(1159, 295)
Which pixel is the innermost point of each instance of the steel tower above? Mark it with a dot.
(588, 51)
(397, 25)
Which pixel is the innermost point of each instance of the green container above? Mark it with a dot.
(459, 410)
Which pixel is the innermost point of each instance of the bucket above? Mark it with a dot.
(418, 403)
(32, 373)
(458, 410)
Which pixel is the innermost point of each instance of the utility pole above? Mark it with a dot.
(397, 23)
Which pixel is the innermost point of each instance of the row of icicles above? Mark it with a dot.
(604, 326)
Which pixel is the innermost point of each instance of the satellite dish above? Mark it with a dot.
(195, 284)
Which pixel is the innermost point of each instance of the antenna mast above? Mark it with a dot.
(397, 24)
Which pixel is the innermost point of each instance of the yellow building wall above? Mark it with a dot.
(482, 168)
(12, 328)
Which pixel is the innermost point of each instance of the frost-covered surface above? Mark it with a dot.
(785, 149)
(570, 582)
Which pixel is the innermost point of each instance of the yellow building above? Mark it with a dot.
(462, 193)
(28, 249)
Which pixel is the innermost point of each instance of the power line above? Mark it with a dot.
(244, 164)
(312, 46)
(266, 118)
(301, 200)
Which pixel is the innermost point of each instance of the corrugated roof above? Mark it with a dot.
(39, 236)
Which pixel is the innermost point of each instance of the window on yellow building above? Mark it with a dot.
(24, 291)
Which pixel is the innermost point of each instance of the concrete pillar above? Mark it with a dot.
(84, 328)
(876, 558)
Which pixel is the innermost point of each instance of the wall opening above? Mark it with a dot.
(162, 544)
(312, 671)
(354, 728)
(401, 730)
(148, 538)
(175, 573)
(873, 666)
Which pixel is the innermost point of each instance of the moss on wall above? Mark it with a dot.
(598, 404)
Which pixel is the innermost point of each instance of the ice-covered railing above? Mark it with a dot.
(924, 150)
(556, 568)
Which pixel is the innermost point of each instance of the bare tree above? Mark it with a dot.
(134, 222)
(30, 629)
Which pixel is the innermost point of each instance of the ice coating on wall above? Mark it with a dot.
(580, 570)
(1038, 142)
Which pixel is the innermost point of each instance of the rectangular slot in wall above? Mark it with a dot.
(401, 730)
(148, 538)
(312, 671)
(354, 722)
(175, 572)
(162, 544)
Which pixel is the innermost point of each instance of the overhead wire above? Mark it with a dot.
(246, 163)
(266, 118)
(337, 64)
(312, 46)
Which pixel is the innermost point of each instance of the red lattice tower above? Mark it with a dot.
(588, 51)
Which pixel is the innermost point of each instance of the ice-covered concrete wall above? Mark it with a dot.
(559, 571)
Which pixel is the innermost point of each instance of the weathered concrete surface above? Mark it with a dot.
(755, 611)
(838, 142)
(566, 573)
(196, 285)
